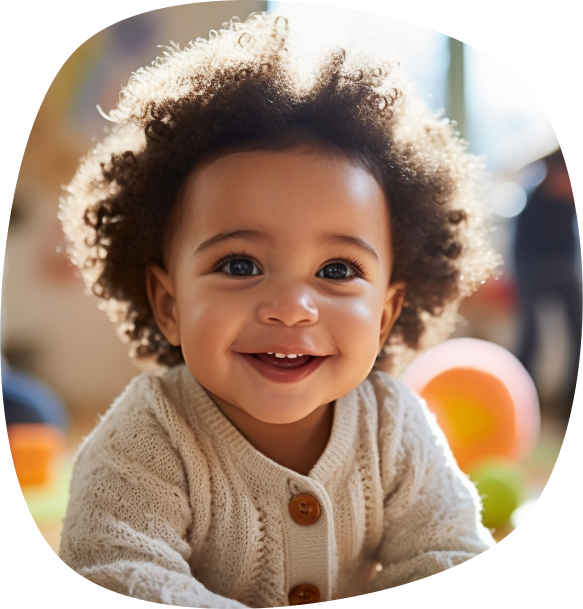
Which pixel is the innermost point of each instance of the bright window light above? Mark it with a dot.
(505, 122)
(508, 199)
(424, 51)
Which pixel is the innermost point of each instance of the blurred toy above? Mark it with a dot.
(43, 470)
(36, 449)
(501, 484)
(35, 420)
(27, 400)
(484, 399)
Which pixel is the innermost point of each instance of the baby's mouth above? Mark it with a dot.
(284, 368)
(284, 361)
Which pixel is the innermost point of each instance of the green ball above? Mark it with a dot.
(502, 487)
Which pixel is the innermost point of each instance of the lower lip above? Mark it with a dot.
(283, 375)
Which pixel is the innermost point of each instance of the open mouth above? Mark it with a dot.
(283, 361)
(284, 368)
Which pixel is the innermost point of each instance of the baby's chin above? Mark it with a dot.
(279, 411)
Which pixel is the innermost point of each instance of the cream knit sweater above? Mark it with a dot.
(169, 503)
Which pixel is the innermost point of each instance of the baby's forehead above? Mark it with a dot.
(280, 182)
(283, 196)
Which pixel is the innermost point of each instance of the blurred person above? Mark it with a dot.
(546, 265)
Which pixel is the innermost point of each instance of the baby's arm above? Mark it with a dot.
(432, 511)
(129, 511)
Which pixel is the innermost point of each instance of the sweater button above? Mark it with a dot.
(304, 509)
(304, 594)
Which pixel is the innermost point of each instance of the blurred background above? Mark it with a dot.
(62, 362)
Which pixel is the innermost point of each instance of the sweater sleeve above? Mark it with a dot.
(432, 511)
(129, 510)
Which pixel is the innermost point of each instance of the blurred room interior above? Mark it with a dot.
(53, 331)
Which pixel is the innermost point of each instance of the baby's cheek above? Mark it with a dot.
(209, 329)
(355, 324)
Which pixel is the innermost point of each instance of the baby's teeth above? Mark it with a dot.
(300, 355)
(280, 355)
(292, 356)
(270, 353)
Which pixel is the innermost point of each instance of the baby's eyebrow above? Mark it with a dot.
(226, 236)
(351, 240)
(255, 234)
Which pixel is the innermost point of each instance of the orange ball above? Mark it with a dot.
(484, 399)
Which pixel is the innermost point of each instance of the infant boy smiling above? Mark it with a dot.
(281, 243)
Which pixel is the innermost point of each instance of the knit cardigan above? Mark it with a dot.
(169, 502)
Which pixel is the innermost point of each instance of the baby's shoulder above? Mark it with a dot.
(136, 412)
(140, 396)
(137, 443)
(400, 410)
(392, 397)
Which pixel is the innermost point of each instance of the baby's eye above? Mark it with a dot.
(240, 267)
(337, 271)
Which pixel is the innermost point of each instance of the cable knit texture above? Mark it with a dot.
(169, 502)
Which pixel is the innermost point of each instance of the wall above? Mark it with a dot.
(49, 326)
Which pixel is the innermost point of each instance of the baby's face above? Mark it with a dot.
(278, 253)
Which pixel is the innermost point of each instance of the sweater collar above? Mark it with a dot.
(343, 435)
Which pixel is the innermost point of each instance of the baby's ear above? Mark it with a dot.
(393, 305)
(161, 294)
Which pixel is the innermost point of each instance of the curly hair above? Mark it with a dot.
(246, 87)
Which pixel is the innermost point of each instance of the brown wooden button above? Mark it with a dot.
(304, 594)
(304, 509)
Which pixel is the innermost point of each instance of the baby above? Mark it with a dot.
(272, 237)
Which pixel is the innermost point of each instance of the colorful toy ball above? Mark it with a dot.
(483, 398)
(502, 486)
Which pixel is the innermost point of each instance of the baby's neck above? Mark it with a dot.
(297, 446)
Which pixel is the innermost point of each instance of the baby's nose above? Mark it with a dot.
(289, 307)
